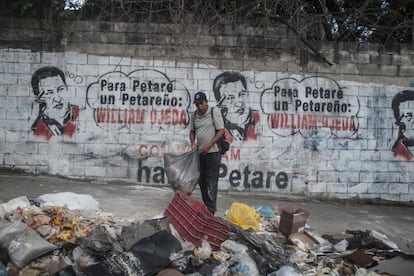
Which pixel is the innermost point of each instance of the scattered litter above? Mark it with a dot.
(243, 216)
(383, 239)
(23, 243)
(194, 222)
(131, 234)
(361, 259)
(264, 211)
(10, 206)
(67, 234)
(203, 252)
(303, 240)
(286, 270)
(99, 243)
(341, 246)
(292, 221)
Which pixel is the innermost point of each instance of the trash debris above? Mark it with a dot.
(383, 239)
(243, 216)
(39, 238)
(341, 246)
(194, 222)
(82, 259)
(204, 251)
(286, 270)
(292, 221)
(361, 259)
(12, 205)
(131, 234)
(123, 264)
(303, 240)
(264, 211)
(99, 243)
(154, 251)
(23, 243)
(244, 261)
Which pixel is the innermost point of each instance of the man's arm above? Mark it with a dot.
(217, 137)
(192, 132)
(192, 139)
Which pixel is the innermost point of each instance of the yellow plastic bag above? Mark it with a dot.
(243, 216)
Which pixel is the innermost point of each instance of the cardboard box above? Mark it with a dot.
(359, 258)
(292, 221)
(303, 240)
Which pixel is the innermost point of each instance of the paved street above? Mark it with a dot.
(131, 202)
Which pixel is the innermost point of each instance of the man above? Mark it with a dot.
(56, 115)
(403, 114)
(205, 131)
(230, 91)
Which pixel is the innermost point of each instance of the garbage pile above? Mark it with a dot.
(67, 234)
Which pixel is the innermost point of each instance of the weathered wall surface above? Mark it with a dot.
(120, 96)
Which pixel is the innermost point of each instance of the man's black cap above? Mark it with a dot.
(200, 97)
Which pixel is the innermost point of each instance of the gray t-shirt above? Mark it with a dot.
(205, 128)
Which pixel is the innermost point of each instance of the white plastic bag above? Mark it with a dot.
(341, 246)
(204, 251)
(183, 170)
(287, 270)
(13, 204)
(72, 201)
(244, 259)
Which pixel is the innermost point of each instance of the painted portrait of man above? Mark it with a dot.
(56, 115)
(403, 108)
(231, 94)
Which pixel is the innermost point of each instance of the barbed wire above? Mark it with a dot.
(385, 22)
(326, 20)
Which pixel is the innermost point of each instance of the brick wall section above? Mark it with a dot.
(247, 47)
(322, 163)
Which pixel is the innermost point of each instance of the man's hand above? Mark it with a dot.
(205, 149)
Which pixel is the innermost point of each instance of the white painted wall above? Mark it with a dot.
(345, 153)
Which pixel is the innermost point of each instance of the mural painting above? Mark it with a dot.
(56, 116)
(403, 114)
(308, 105)
(147, 101)
(139, 98)
(230, 91)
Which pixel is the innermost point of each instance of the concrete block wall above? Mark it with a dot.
(309, 129)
